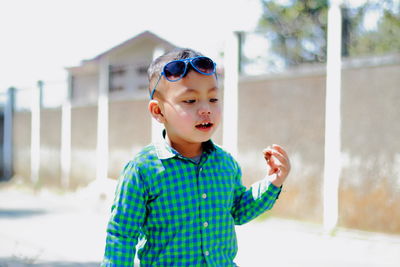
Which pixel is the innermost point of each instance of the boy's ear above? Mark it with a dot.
(155, 110)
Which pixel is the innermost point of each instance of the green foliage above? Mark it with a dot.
(386, 38)
(297, 30)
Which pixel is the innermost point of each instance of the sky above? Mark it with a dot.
(40, 38)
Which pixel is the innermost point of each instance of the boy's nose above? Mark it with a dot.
(204, 110)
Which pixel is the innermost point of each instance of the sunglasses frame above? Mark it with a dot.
(186, 61)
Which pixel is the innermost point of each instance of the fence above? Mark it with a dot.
(287, 109)
(6, 133)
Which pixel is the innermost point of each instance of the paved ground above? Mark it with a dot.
(50, 229)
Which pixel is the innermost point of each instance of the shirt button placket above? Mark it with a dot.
(204, 214)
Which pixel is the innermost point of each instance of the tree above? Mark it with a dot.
(385, 38)
(297, 29)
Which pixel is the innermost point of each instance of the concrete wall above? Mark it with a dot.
(83, 144)
(50, 145)
(370, 181)
(130, 130)
(22, 144)
(286, 109)
(85, 88)
(289, 111)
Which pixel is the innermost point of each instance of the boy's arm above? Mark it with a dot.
(248, 204)
(127, 217)
(262, 195)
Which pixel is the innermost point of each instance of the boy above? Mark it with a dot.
(183, 196)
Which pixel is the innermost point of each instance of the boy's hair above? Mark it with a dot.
(156, 66)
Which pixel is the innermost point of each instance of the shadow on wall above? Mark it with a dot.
(23, 262)
(20, 213)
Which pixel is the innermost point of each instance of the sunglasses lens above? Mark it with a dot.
(174, 70)
(204, 65)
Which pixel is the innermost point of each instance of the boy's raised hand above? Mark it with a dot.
(278, 163)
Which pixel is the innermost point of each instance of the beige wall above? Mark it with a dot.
(50, 144)
(130, 130)
(289, 110)
(85, 88)
(370, 181)
(22, 144)
(83, 144)
(286, 109)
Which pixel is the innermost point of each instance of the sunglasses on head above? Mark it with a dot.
(175, 70)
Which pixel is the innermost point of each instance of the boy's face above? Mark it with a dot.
(191, 107)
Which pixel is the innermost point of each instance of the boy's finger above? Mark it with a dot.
(274, 163)
(280, 149)
(282, 159)
(267, 149)
(273, 149)
(272, 171)
(267, 153)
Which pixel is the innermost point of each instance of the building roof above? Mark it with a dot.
(135, 39)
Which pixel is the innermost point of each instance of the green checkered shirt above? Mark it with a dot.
(181, 213)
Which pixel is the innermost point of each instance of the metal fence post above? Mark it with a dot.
(66, 137)
(332, 160)
(231, 81)
(8, 135)
(102, 121)
(35, 131)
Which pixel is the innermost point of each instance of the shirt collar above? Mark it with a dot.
(165, 151)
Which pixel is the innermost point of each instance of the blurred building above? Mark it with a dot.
(127, 67)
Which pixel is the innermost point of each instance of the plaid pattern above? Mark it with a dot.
(185, 212)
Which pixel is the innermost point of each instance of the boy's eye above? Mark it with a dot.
(189, 101)
(213, 100)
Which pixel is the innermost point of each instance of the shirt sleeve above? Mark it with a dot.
(127, 216)
(250, 203)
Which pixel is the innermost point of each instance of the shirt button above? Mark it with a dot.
(204, 196)
(205, 224)
(206, 253)
(201, 169)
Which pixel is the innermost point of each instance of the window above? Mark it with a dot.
(117, 78)
(141, 70)
(142, 82)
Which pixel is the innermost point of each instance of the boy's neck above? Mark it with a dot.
(189, 150)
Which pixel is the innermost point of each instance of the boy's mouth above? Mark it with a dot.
(204, 125)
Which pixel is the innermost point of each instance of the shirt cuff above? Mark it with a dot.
(275, 190)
